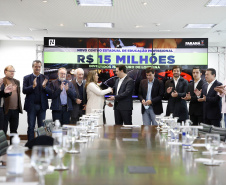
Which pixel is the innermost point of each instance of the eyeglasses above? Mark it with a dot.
(11, 71)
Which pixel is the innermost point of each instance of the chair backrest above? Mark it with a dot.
(47, 121)
(206, 128)
(3, 143)
(41, 131)
(220, 131)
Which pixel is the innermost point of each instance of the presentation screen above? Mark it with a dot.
(104, 54)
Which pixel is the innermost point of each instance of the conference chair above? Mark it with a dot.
(3, 145)
(206, 128)
(220, 131)
(41, 131)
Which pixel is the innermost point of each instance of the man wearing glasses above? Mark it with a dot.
(12, 104)
(63, 93)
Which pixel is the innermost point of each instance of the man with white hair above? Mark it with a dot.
(79, 105)
(63, 94)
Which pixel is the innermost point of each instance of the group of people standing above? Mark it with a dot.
(72, 99)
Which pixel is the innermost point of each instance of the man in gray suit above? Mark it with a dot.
(79, 105)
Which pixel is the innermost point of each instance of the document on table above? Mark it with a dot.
(129, 139)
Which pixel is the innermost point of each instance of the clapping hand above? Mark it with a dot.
(221, 89)
(187, 97)
(66, 87)
(44, 83)
(197, 92)
(111, 98)
(202, 99)
(35, 83)
(174, 94)
(62, 85)
(8, 88)
(169, 90)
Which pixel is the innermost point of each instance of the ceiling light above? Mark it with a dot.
(144, 3)
(61, 24)
(21, 38)
(214, 3)
(200, 25)
(164, 30)
(99, 25)
(6, 23)
(44, 1)
(95, 2)
(138, 26)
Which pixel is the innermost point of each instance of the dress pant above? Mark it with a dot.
(196, 120)
(11, 119)
(32, 114)
(62, 115)
(149, 116)
(123, 116)
(1, 118)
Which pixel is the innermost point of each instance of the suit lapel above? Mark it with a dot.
(211, 88)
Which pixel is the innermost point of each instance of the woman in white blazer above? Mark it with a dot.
(95, 96)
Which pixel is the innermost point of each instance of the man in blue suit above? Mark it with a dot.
(63, 94)
(37, 91)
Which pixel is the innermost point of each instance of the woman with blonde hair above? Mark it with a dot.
(95, 96)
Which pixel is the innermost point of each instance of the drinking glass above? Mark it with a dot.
(176, 130)
(191, 135)
(40, 159)
(73, 136)
(212, 142)
(61, 145)
(158, 119)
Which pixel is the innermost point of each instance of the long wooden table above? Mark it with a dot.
(105, 158)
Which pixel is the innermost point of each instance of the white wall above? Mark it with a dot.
(20, 54)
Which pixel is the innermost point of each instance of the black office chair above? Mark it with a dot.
(220, 131)
(3, 145)
(206, 128)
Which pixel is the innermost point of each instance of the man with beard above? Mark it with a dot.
(63, 93)
(175, 89)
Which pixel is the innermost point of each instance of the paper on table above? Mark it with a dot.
(174, 143)
(129, 139)
(199, 145)
(201, 160)
(125, 128)
(131, 125)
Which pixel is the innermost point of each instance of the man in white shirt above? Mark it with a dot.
(211, 100)
(195, 107)
(123, 102)
(175, 90)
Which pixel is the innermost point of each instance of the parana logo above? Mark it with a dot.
(199, 43)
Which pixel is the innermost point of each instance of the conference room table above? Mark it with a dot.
(130, 155)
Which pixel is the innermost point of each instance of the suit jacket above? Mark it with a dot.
(157, 93)
(30, 92)
(195, 107)
(176, 105)
(84, 100)
(55, 95)
(6, 101)
(124, 100)
(212, 105)
(3, 94)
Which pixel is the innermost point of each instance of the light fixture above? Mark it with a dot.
(6, 23)
(216, 3)
(138, 26)
(94, 2)
(21, 37)
(44, 1)
(144, 3)
(61, 24)
(199, 25)
(164, 30)
(99, 25)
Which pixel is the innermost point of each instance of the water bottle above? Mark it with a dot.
(184, 142)
(57, 130)
(15, 157)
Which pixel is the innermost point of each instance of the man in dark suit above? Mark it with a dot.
(211, 100)
(37, 90)
(151, 91)
(195, 107)
(63, 94)
(123, 102)
(4, 93)
(175, 89)
(79, 105)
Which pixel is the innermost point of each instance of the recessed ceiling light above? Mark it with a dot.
(44, 1)
(61, 24)
(95, 2)
(6, 23)
(164, 30)
(214, 3)
(200, 25)
(144, 3)
(138, 26)
(21, 38)
(99, 25)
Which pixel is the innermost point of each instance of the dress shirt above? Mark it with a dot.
(63, 97)
(210, 85)
(79, 83)
(175, 82)
(120, 83)
(196, 83)
(150, 85)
